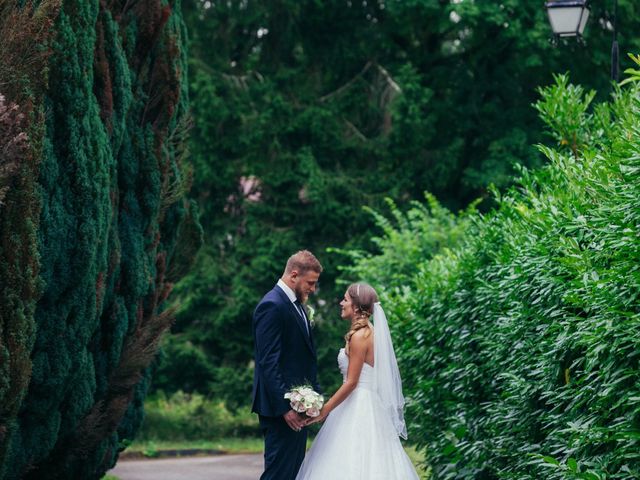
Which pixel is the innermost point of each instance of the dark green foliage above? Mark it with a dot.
(322, 107)
(22, 76)
(18, 266)
(520, 347)
(112, 177)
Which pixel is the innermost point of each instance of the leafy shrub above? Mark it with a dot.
(407, 241)
(520, 348)
(183, 416)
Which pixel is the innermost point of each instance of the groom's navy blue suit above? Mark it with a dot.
(285, 357)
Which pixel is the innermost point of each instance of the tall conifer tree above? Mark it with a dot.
(105, 114)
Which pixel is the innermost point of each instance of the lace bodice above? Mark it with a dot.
(366, 374)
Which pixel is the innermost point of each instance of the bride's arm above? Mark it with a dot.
(358, 346)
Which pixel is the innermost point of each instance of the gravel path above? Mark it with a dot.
(218, 467)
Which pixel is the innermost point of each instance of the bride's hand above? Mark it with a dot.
(320, 418)
(311, 421)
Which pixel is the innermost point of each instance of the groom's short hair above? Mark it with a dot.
(303, 261)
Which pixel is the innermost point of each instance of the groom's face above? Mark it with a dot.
(305, 284)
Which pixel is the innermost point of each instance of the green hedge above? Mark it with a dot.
(183, 416)
(520, 348)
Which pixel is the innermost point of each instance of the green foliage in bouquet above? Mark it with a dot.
(95, 227)
(520, 347)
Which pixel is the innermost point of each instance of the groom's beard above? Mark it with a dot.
(300, 295)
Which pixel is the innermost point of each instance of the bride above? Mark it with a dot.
(359, 439)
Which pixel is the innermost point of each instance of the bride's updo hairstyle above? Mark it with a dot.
(362, 296)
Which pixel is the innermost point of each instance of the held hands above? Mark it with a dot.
(324, 413)
(294, 420)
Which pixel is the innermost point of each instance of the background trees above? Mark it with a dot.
(305, 111)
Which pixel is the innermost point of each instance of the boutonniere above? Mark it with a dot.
(310, 314)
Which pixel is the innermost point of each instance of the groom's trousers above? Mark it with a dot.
(283, 449)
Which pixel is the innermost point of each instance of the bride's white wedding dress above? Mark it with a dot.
(358, 440)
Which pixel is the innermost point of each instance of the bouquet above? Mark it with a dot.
(305, 400)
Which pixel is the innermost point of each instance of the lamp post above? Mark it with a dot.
(568, 19)
(615, 70)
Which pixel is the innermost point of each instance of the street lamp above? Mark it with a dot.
(568, 19)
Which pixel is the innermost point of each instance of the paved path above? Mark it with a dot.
(219, 467)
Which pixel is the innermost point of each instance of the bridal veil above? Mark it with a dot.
(387, 381)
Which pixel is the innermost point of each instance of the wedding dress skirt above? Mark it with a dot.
(358, 439)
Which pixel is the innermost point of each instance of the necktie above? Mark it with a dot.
(301, 312)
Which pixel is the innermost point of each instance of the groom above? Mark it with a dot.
(285, 357)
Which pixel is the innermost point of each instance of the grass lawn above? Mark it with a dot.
(151, 448)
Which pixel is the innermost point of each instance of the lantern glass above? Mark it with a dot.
(567, 18)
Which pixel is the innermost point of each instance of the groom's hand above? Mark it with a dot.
(294, 420)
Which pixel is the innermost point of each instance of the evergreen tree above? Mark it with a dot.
(103, 177)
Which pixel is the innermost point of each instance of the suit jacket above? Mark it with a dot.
(285, 355)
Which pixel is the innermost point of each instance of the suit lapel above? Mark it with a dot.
(299, 320)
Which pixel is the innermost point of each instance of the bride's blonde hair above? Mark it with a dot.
(363, 297)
